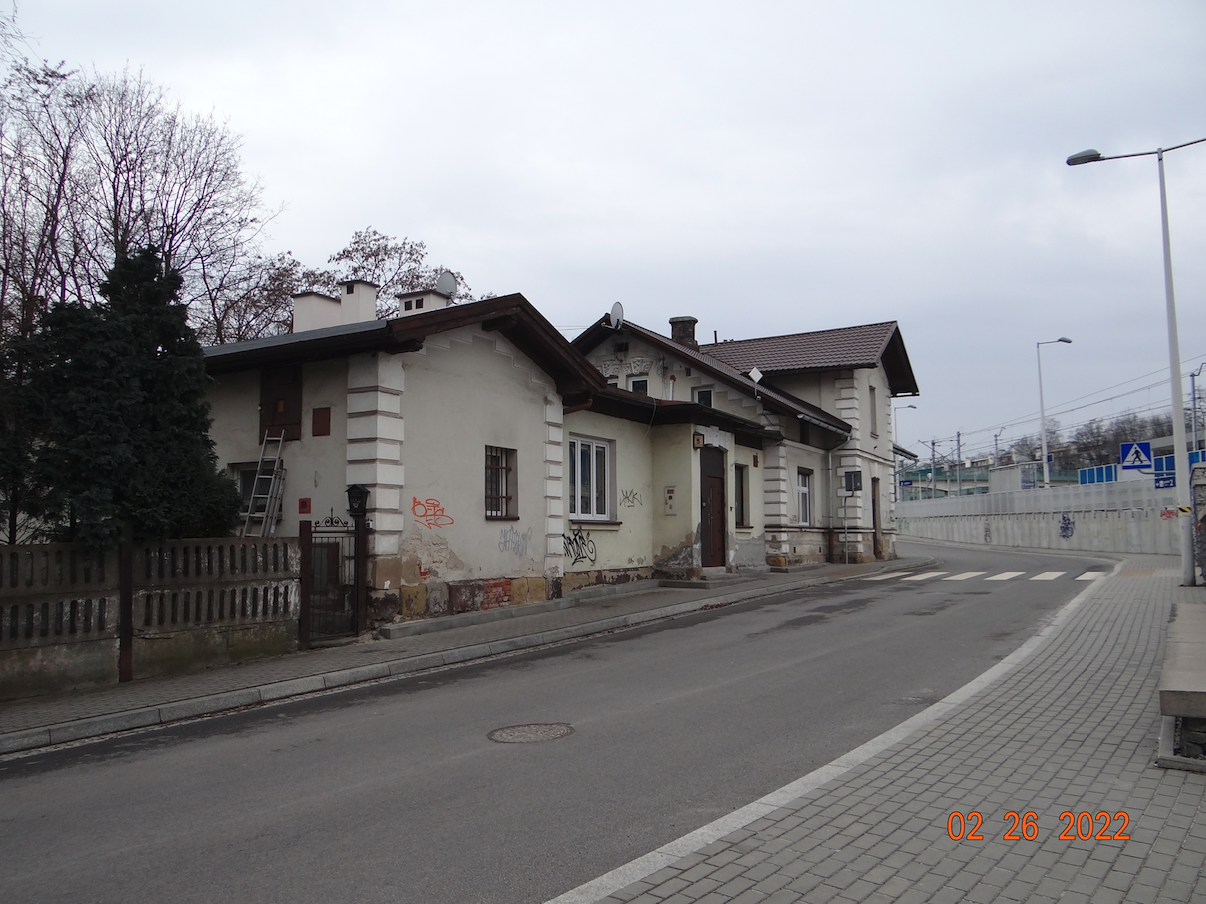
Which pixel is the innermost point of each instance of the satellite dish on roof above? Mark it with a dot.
(617, 315)
(446, 284)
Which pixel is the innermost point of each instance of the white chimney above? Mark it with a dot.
(313, 311)
(420, 301)
(359, 301)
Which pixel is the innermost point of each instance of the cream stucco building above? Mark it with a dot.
(505, 464)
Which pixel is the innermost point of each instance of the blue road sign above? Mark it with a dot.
(1135, 456)
(1167, 482)
(906, 483)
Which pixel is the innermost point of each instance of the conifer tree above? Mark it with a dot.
(125, 385)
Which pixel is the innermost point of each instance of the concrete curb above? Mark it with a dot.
(96, 726)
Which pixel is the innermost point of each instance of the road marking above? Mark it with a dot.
(1092, 575)
(925, 575)
(1048, 575)
(1004, 576)
(786, 797)
(965, 575)
(887, 577)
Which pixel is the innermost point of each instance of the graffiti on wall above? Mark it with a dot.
(1067, 527)
(631, 498)
(511, 540)
(430, 512)
(578, 546)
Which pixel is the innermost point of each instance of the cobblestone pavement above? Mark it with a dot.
(1072, 728)
(139, 696)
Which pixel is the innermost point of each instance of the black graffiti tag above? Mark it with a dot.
(580, 546)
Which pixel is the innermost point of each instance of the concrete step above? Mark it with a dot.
(1183, 679)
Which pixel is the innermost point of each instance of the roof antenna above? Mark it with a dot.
(756, 376)
(715, 337)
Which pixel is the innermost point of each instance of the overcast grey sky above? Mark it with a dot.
(766, 167)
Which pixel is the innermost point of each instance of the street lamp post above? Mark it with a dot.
(1043, 406)
(1193, 401)
(899, 470)
(1180, 455)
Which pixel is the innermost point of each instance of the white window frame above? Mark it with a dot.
(874, 410)
(804, 495)
(711, 402)
(635, 378)
(600, 496)
(741, 493)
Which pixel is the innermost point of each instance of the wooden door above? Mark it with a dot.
(712, 506)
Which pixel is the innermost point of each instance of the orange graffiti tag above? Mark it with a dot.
(430, 512)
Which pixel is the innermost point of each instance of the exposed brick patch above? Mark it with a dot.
(496, 592)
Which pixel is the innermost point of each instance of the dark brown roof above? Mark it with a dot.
(848, 347)
(774, 399)
(511, 315)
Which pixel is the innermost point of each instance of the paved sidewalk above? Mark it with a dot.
(1069, 723)
(42, 721)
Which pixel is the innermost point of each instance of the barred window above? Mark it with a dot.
(500, 483)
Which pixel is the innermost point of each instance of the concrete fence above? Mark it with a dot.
(71, 617)
(1127, 517)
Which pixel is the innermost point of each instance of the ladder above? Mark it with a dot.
(265, 504)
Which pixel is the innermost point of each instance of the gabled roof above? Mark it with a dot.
(848, 347)
(511, 315)
(774, 399)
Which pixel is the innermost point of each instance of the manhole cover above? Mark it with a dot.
(530, 734)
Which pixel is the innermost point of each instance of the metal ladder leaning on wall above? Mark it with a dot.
(268, 487)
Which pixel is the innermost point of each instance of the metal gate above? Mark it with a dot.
(334, 598)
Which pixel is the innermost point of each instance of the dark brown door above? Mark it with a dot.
(712, 506)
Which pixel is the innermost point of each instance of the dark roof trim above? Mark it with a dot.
(774, 399)
(643, 409)
(902, 452)
(511, 315)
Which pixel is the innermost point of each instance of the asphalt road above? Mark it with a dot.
(395, 793)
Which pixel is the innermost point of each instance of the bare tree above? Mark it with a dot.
(91, 168)
(1026, 448)
(394, 266)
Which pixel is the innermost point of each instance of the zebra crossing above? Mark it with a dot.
(904, 576)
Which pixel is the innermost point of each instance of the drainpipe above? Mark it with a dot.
(833, 490)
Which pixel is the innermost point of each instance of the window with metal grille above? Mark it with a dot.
(500, 483)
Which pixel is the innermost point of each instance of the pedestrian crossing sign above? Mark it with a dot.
(1135, 456)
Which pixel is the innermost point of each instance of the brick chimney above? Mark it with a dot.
(682, 330)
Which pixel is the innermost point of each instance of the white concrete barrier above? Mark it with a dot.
(1129, 517)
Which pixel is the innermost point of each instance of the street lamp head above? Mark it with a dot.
(1064, 339)
(1089, 156)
